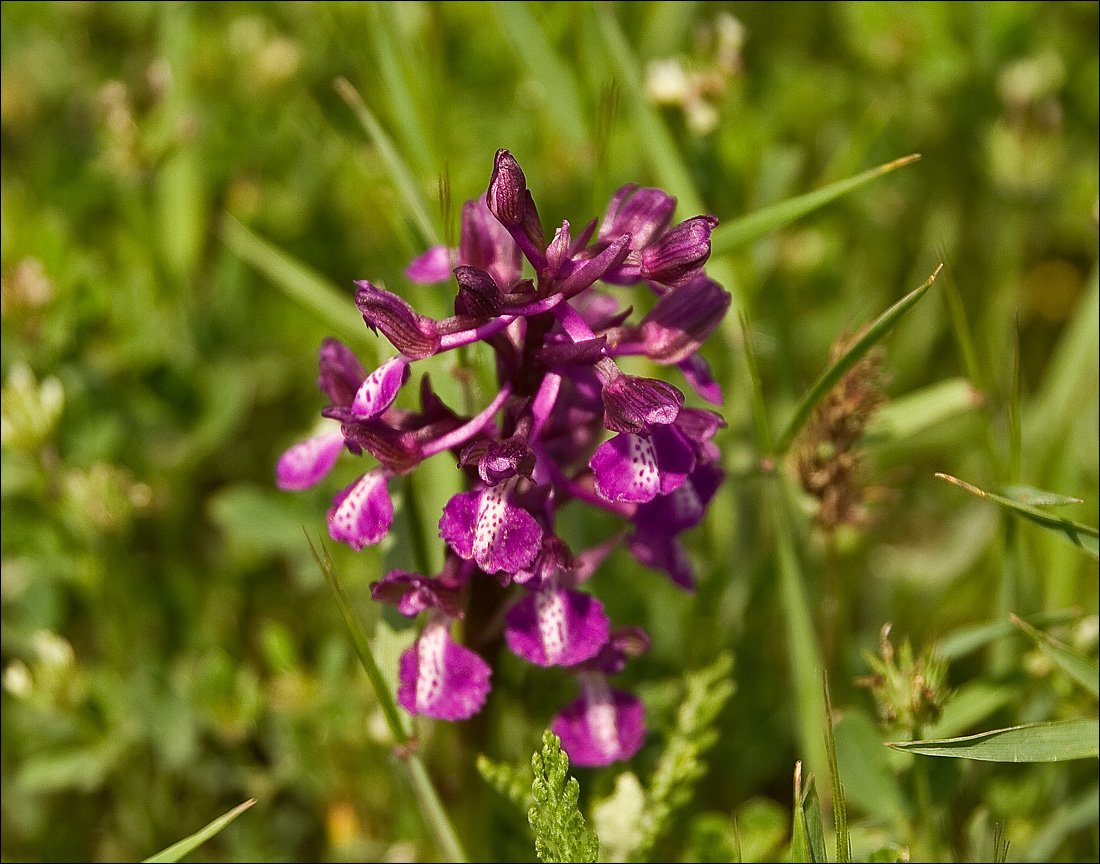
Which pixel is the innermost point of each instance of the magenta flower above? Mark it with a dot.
(567, 423)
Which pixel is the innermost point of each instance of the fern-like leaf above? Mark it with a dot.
(560, 831)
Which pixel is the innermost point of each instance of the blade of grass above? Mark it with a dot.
(188, 844)
(1073, 663)
(923, 409)
(1082, 536)
(402, 176)
(432, 808)
(740, 232)
(297, 281)
(875, 333)
(807, 834)
(656, 141)
(1035, 742)
(958, 643)
(532, 48)
(840, 806)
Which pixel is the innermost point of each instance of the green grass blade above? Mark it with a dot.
(1039, 498)
(656, 141)
(840, 806)
(747, 229)
(402, 176)
(1073, 663)
(961, 641)
(923, 409)
(188, 844)
(1035, 742)
(297, 281)
(1082, 536)
(807, 834)
(875, 333)
(533, 49)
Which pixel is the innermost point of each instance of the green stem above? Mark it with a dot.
(430, 805)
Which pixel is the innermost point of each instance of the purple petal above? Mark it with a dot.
(553, 627)
(684, 507)
(697, 372)
(341, 373)
(410, 333)
(625, 469)
(478, 294)
(663, 552)
(431, 267)
(361, 515)
(633, 404)
(487, 245)
(486, 527)
(682, 319)
(307, 462)
(412, 593)
(643, 213)
(601, 727)
(440, 678)
(678, 257)
(380, 388)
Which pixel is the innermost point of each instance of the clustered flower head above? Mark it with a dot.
(567, 424)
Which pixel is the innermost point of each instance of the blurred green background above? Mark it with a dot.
(169, 645)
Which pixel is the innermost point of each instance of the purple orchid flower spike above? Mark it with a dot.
(540, 441)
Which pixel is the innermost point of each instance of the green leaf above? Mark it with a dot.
(534, 51)
(561, 834)
(748, 229)
(511, 781)
(891, 853)
(1035, 742)
(681, 764)
(657, 143)
(299, 282)
(840, 807)
(1032, 497)
(1073, 663)
(1082, 536)
(960, 642)
(875, 333)
(177, 850)
(923, 409)
(399, 171)
(808, 834)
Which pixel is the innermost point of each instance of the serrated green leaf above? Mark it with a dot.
(177, 850)
(511, 781)
(1035, 742)
(561, 834)
(1073, 663)
(748, 229)
(874, 334)
(1082, 536)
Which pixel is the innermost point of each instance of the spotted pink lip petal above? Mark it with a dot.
(440, 678)
(380, 388)
(486, 527)
(306, 463)
(362, 514)
(625, 469)
(601, 727)
(556, 628)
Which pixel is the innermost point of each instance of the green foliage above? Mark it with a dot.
(188, 192)
(178, 850)
(561, 833)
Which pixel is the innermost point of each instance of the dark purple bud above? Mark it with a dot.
(679, 256)
(682, 319)
(585, 273)
(507, 195)
(478, 294)
(643, 213)
(505, 459)
(622, 644)
(341, 372)
(412, 593)
(486, 244)
(411, 333)
(632, 404)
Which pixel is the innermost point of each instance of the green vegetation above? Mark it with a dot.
(189, 191)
